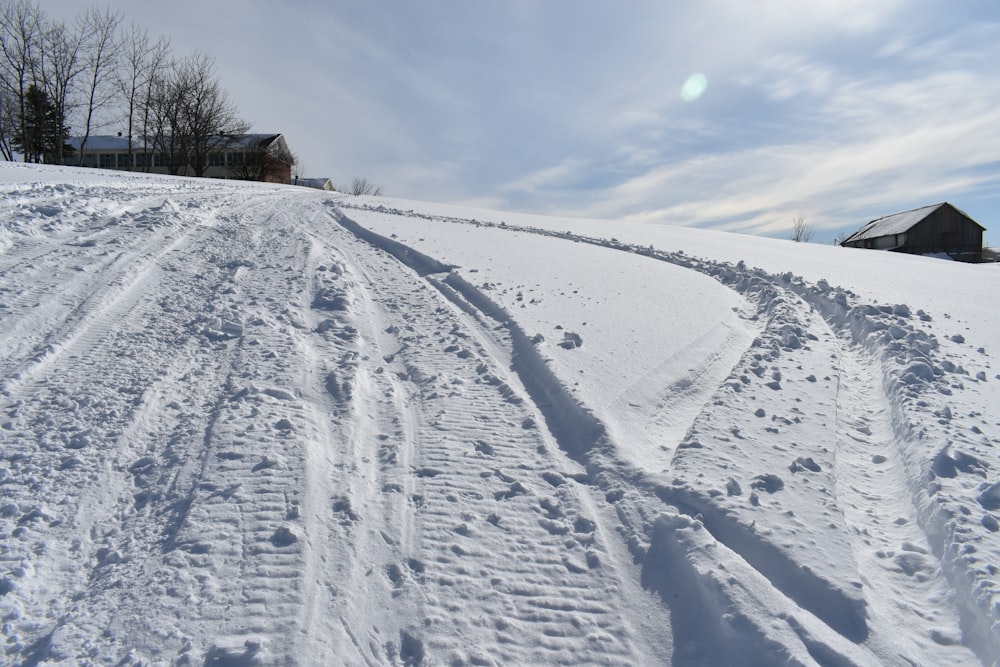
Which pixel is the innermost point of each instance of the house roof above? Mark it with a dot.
(897, 223)
(103, 142)
(319, 183)
(112, 142)
(261, 140)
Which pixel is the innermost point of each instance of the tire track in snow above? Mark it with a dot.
(152, 454)
(671, 409)
(251, 551)
(247, 530)
(52, 314)
(76, 418)
(582, 435)
(886, 331)
(829, 471)
(903, 583)
(245, 522)
(633, 496)
(739, 278)
(497, 522)
(352, 523)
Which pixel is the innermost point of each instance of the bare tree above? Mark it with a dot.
(191, 116)
(165, 123)
(100, 53)
(60, 65)
(209, 117)
(20, 26)
(179, 108)
(298, 169)
(361, 186)
(139, 66)
(801, 232)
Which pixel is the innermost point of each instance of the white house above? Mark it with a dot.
(318, 183)
(249, 157)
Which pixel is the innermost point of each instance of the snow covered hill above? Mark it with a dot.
(261, 425)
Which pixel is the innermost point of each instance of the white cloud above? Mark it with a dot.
(833, 107)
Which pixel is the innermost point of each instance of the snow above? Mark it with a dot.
(897, 223)
(255, 424)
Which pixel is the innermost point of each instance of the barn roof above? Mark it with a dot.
(897, 223)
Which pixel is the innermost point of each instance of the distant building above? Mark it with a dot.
(940, 228)
(247, 157)
(318, 183)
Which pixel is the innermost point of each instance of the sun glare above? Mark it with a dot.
(694, 87)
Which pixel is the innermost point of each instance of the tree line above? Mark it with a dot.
(94, 71)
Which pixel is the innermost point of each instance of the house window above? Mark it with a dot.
(216, 159)
(123, 159)
(140, 160)
(107, 160)
(235, 159)
(160, 160)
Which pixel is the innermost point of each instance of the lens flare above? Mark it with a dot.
(694, 87)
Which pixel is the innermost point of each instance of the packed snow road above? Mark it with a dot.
(243, 433)
(263, 425)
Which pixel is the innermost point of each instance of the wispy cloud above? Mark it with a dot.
(839, 109)
(906, 122)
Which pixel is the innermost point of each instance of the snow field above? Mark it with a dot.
(249, 425)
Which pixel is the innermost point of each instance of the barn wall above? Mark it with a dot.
(946, 230)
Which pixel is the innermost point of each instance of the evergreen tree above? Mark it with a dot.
(43, 131)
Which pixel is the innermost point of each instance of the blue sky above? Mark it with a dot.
(839, 110)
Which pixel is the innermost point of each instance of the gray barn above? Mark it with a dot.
(940, 228)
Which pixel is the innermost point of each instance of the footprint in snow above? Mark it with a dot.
(769, 483)
(553, 527)
(804, 463)
(395, 575)
(284, 536)
(554, 478)
(416, 566)
(342, 506)
(268, 462)
(516, 489)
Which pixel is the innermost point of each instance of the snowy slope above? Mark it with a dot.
(247, 424)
